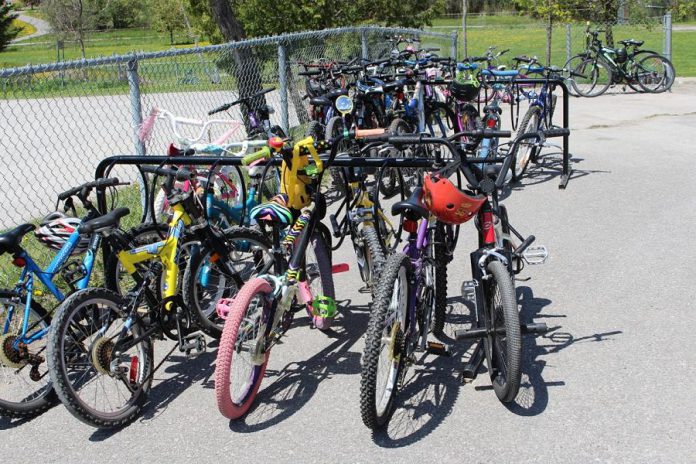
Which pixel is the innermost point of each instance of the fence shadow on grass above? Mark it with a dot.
(284, 392)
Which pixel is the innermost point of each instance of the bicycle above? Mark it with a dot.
(603, 67)
(257, 116)
(100, 347)
(407, 300)
(264, 308)
(25, 322)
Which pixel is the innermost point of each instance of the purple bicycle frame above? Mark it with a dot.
(414, 249)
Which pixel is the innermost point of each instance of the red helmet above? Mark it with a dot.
(449, 204)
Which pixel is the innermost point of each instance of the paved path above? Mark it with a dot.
(612, 382)
(42, 27)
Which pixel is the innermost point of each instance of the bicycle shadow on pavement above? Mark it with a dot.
(165, 390)
(550, 168)
(533, 396)
(284, 392)
(430, 390)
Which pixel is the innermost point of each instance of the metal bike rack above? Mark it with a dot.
(555, 82)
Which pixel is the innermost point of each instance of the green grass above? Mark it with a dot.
(530, 39)
(128, 196)
(25, 29)
(484, 20)
(42, 49)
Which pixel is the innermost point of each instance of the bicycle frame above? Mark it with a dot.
(31, 269)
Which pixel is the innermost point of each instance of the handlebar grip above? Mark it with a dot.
(178, 174)
(491, 134)
(561, 132)
(100, 183)
(309, 73)
(365, 133)
(224, 107)
(264, 153)
(108, 182)
(504, 51)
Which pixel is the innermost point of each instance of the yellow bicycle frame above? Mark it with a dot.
(293, 182)
(365, 203)
(166, 251)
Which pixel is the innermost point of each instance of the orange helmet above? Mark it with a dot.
(449, 204)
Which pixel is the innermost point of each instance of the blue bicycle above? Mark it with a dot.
(25, 388)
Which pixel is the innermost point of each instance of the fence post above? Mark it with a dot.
(283, 87)
(667, 29)
(455, 40)
(569, 51)
(136, 106)
(363, 43)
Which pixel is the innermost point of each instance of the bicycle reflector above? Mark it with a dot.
(19, 261)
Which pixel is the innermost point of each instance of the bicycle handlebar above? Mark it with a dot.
(99, 183)
(175, 121)
(178, 174)
(227, 106)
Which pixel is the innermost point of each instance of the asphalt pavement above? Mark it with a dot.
(613, 381)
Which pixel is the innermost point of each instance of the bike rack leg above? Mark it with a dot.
(565, 177)
(472, 367)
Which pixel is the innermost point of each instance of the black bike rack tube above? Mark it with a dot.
(565, 175)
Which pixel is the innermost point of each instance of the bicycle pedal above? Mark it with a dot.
(439, 349)
(469, 290)
(535, 254)
(195, 345)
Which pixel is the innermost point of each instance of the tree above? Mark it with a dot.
(168, 16)
(7, 31)
(72, 18)
(551, 11)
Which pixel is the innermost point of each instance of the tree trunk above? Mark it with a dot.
(171, 36)
(246, 67)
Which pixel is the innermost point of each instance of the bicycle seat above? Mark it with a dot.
(629, 42)
(412, 207)
(102, 222)
(320, 101)
(273, 210)
(333, 94)
(9, 241)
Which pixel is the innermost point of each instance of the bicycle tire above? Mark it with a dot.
(319, 274)
(591, 69)
(41, 399)
(389, 177)
(334, 129)
(372, 254)
(441, 261)
(519, 164)
(376, 403)
(143, 234)
(75, 311)
(503, 351)
(230, 407)
(315, 129)
(199, 278)
(646, 81)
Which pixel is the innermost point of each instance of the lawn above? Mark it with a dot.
(24, 28)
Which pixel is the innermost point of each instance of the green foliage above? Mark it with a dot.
(121, 14)
(202, 20)
(7, 31)
(265, 17)
(684, 9)
(168, 16)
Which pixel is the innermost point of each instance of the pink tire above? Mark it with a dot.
(236, 385)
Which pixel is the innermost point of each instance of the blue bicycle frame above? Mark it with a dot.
(31, 269)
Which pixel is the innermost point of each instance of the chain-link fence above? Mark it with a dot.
(528, 36)
(61, 119)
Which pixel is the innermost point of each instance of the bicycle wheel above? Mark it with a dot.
(441, 261)
(335, 128)
(241, 360)
(439, 119)
(25, 387)
(209, 277)
(99, 378)
(389, 177)
(503, 347)
(597, 78)
(385, 356)
(115, 276)
(526, 149)
(654, 73)
(370, 256)
(319, 275)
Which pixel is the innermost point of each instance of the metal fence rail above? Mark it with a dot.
(61, 119)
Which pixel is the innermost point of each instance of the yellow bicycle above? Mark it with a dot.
(100, 348)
